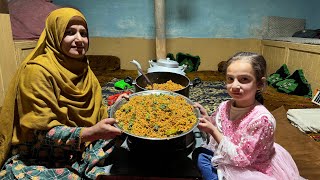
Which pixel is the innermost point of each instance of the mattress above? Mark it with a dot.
(295, 40)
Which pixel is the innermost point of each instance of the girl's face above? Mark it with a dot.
(75, 41)
(241, 83)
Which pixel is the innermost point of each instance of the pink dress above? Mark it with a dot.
(247, 149)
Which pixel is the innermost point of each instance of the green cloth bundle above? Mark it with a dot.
(295, 84)
(191, 61)
(279, 75)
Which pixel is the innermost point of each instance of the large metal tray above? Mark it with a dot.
(121, 102)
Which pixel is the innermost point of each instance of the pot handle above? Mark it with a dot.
(151, 63)
(195, 82)
(128, 80)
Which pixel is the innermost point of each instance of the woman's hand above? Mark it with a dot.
(102, 130)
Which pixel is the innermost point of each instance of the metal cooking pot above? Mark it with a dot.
(140, 82)
(184, 142)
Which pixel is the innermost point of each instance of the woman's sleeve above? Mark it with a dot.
(37, 100)
(66, 137)
(103, 112)
(257, 136)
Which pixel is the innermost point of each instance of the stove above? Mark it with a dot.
(152, 162)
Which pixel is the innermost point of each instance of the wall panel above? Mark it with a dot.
(296, 56)
(7, 55)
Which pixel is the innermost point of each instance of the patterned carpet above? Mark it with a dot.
(207, 93)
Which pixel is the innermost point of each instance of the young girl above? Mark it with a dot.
(242, 130)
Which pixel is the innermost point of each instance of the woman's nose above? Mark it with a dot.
(79, 42)
(78, 37)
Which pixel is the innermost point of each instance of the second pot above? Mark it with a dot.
(140, 82)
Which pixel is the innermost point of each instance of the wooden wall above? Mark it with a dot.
(7, 52)
(295, 56)
(210, 50)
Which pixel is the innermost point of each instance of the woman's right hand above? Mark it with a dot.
(102, 130)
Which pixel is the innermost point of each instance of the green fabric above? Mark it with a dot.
(274, 78)
(288, 85)
(279, 75)
(295, 84)
(190, 65)
(171, 56)
(191, 61)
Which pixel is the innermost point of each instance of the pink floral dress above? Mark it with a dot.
(247, 149)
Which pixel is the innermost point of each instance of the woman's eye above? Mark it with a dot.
(68, 33)
(84, 34)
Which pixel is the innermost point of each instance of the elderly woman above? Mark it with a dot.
(53, 123)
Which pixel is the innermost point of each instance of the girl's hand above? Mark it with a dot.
(102, 130)
(203, 111)
(206, 126)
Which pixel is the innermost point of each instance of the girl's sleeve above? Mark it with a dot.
(66, 137)
(257, 136)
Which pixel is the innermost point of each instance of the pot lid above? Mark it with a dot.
(168, 63)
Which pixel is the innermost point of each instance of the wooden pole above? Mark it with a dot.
(159, 9)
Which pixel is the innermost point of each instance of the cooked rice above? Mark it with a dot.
(156, 116)
(168, 86)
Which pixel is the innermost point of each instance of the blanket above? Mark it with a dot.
(306, 120)
(28, 17)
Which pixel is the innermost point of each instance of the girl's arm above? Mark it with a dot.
(209, 125)
(257, 136)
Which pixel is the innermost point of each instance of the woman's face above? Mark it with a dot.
(241, 83)
(75, 41)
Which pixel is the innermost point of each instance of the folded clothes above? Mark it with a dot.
(306, 120)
